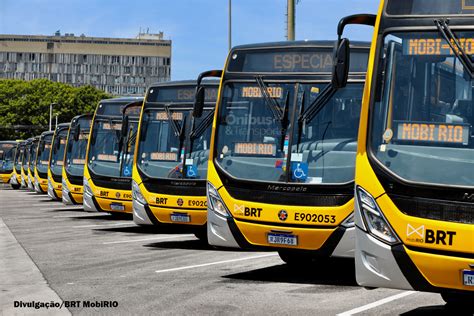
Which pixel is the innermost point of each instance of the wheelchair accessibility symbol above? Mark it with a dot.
(127, 172)
(191, 172)
(299, 171)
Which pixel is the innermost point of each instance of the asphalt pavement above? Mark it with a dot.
(110, 266)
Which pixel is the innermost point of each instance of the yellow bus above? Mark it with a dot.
(42, 162)
(16, 180)
(31, 163)
(7, 155)
(415, 157)
(56, 161)
(25, 160)
(74, 159)
(170, 168)
(282, 155)
(108, 171)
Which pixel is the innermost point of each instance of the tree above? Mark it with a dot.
(24, 105)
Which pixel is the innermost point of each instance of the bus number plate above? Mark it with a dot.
(117, 207)
(180, 218)
(282, 239)
(468, 276)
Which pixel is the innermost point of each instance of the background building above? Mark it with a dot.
(119, 66)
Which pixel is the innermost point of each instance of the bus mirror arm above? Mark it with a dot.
(342, 54)
(77, 130)
(200, 95)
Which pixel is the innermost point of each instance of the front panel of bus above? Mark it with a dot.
(75, 159)
(17, 178)
(281, 169)
(56, 162)
(42, 161)
(24, 163)
(7, 155)
(108, 172)
(169, 178)
(31, 163)
(414, 178)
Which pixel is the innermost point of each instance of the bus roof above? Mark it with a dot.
(8, 142)
(122, 100)
(183, 83)
(321, 44)
(44, 134)
(63, 125)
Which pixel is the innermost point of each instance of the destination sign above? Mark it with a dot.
(256, 92)
(164, 156)
(255, 149)
(433, 133)
(116, 127)
(163, 116)
(78, 161)
(115, 108)
(435, 46)
(301, 60)
(133, 110)
(179, 94)
(103, 157)
(430, 7)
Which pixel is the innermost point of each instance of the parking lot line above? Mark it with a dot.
(377, 303)
(146, 239)
(215, 263)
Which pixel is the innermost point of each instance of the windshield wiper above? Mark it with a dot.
(176, 128)
(456, 47)
(277, 112)
(201, 128)
(314, 108)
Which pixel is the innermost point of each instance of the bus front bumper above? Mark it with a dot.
(93, 204)
(151, 215)
(5, 177)
(229, 232)
(14, 180)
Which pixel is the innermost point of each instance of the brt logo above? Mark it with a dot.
(429, 236)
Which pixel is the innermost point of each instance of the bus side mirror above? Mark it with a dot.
(77, 131)
(198, 108)
(342, 62)
(123, 131)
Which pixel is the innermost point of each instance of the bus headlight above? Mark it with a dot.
(373, 217)
(137, 194)
(87, 188)
(215, 201)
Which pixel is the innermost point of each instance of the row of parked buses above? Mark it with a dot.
(313, 149)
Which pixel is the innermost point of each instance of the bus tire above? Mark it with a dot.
(459, 301)
(15, 186)
(295, 258)
(201, 234)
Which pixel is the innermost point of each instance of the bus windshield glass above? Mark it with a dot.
(33, 152)
(423, 120)
(18, 158)
(26, 157)
(171, 138)
(110, 152)
(261, 136)
(57, 155)
(77, 146)
(7, 154)
(44, 149)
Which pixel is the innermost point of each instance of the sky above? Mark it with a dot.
(198, 28)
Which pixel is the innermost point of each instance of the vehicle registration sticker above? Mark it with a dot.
(468, 277)
(117, 207)
(282, 239)
(180, 218)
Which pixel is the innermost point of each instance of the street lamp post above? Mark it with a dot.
(230, 25)
(51, 115)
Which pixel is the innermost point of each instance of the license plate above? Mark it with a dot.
(180, 218)
(282, 239)
(468, 277)
(117, 207)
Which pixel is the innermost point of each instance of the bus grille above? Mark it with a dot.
(441, 210)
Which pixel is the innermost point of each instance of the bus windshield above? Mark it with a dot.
(261, 136)
(18, 158)
(174, 144)
(44, 150)
(33, 152)
(110, 152)
(423, 120)
(57, 155)
(7, 154)
(26, 157)
(77, 147)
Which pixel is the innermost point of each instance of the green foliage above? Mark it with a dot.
(24, 105)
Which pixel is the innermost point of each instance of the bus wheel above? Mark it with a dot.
(459, 301)
(295, 258)
(15, 186)
(201, 234)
